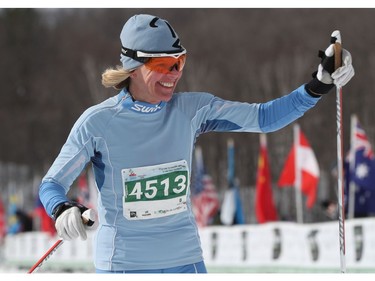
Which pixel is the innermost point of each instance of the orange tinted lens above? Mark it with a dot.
(166, 64)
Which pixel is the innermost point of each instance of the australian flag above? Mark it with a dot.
(360, 170)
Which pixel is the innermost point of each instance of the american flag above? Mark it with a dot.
(205, 200)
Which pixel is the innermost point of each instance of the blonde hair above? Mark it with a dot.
(117, 78)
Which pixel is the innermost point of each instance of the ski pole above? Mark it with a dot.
(340, 154)
(88, 218)
(46, 256)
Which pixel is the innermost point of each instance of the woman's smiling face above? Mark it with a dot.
(152, 86)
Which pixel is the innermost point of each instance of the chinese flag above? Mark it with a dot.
(3, 229)
(307, 167)
(264, 205)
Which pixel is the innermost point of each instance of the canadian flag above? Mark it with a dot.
(302, 162)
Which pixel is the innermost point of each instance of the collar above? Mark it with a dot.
(139, 106)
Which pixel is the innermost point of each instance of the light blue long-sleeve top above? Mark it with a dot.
(120, 134)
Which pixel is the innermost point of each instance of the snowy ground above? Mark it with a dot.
(12, 273)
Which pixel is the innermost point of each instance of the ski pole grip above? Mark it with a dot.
(336, 38)
(88, 217)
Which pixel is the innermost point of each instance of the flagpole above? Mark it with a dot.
(297, 167)
(228, 208)
(230, 175)
(198, 158)
(352, 187)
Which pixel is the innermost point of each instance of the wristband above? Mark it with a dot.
(315, 88)
(66, 205)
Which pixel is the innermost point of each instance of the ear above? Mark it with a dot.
(133, 74)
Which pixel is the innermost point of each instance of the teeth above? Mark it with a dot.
(167, 84)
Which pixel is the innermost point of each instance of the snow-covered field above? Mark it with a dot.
(12, 273)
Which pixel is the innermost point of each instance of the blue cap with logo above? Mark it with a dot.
(144, 36)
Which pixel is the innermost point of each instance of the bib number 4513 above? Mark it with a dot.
(157, 188)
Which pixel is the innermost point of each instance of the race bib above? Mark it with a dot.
(155, 191)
